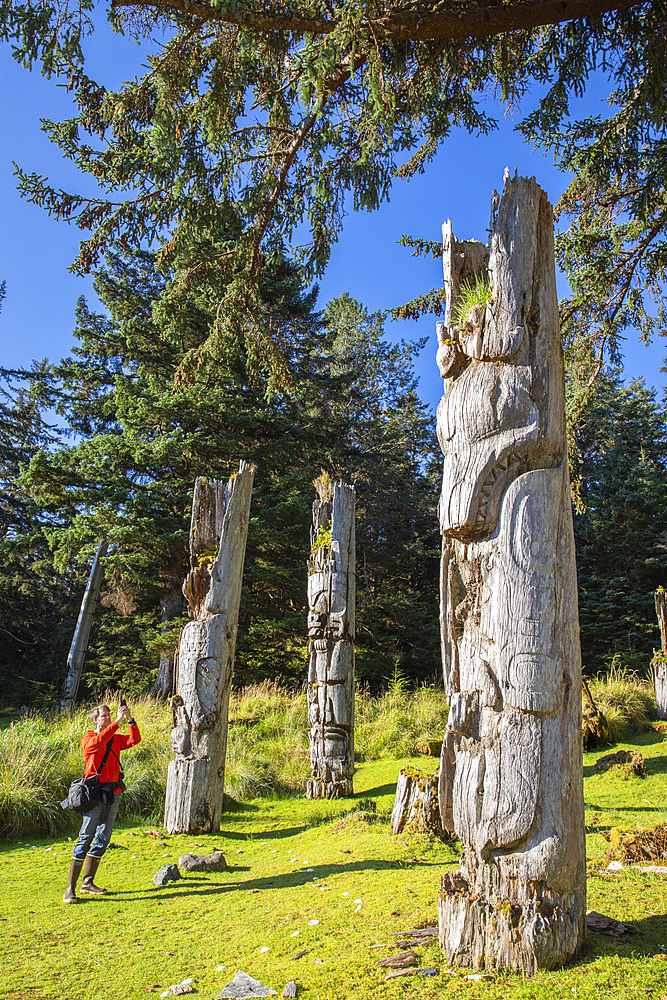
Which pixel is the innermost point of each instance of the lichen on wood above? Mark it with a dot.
(416, 806)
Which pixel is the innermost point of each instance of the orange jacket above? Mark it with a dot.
(94, 744)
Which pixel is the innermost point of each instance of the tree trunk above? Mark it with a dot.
(331, 597)
(171, 606)
(416, 803)
(511, 776)
(77, 651)
(195, 780)
(659, 662)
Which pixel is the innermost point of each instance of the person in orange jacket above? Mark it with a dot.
(97, 825)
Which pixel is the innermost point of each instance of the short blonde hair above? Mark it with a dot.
(96, 711)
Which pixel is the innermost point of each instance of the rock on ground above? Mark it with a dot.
(166, 874)
(203, 862)
(242, 986)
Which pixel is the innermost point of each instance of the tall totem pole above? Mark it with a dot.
(205, 666)
(511, 781)
(331, 595)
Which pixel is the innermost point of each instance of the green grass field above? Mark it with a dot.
(365, 886)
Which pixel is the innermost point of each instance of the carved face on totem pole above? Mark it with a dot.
(329, 663)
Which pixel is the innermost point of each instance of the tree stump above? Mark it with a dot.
(331, 597)
(416, 804)
(659, 662)
(205, 665)
(511, 775)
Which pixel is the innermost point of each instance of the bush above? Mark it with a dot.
(626, 701)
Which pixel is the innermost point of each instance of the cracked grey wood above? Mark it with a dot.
(331, 609)
(511, 781)
(205, 664)
(79, 645)
(659, 663)
(416, 803)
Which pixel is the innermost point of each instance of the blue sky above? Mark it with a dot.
(35, 251)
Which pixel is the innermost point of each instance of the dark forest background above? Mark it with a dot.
(108, 442)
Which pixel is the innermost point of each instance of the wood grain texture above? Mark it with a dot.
(79, 645)
(659, 663)
(511, 776)
(416, 803)
(205, 665)
(331, 624)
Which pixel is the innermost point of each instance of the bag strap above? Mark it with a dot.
(120, 766)
(104, 760)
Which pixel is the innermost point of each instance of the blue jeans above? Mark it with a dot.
(96, 828)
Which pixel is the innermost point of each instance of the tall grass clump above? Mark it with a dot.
(40, 756)
(268, 751)
(391, 724)
(268, 746)
(626, 700)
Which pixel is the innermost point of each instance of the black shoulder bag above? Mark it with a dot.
(85, 793)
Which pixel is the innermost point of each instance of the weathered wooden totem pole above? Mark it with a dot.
(77, 650)
(331, 595)
(659, 662)
(195, 780)
(511, 782)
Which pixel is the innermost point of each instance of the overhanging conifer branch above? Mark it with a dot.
(459, 21)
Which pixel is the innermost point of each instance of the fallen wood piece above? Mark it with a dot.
(403, 960)
(620, 757)
(290, 988)
(601, 924)
(418, 932)
(393, 973)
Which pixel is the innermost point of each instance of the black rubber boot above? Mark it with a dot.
(70, 891)
(89, 873)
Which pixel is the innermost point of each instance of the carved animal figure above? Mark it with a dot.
(511, 782)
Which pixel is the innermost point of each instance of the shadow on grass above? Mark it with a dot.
(388, 789)
(286, 831)
(614, 808)
(286, 880)
(655, 765)
(651, 935)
